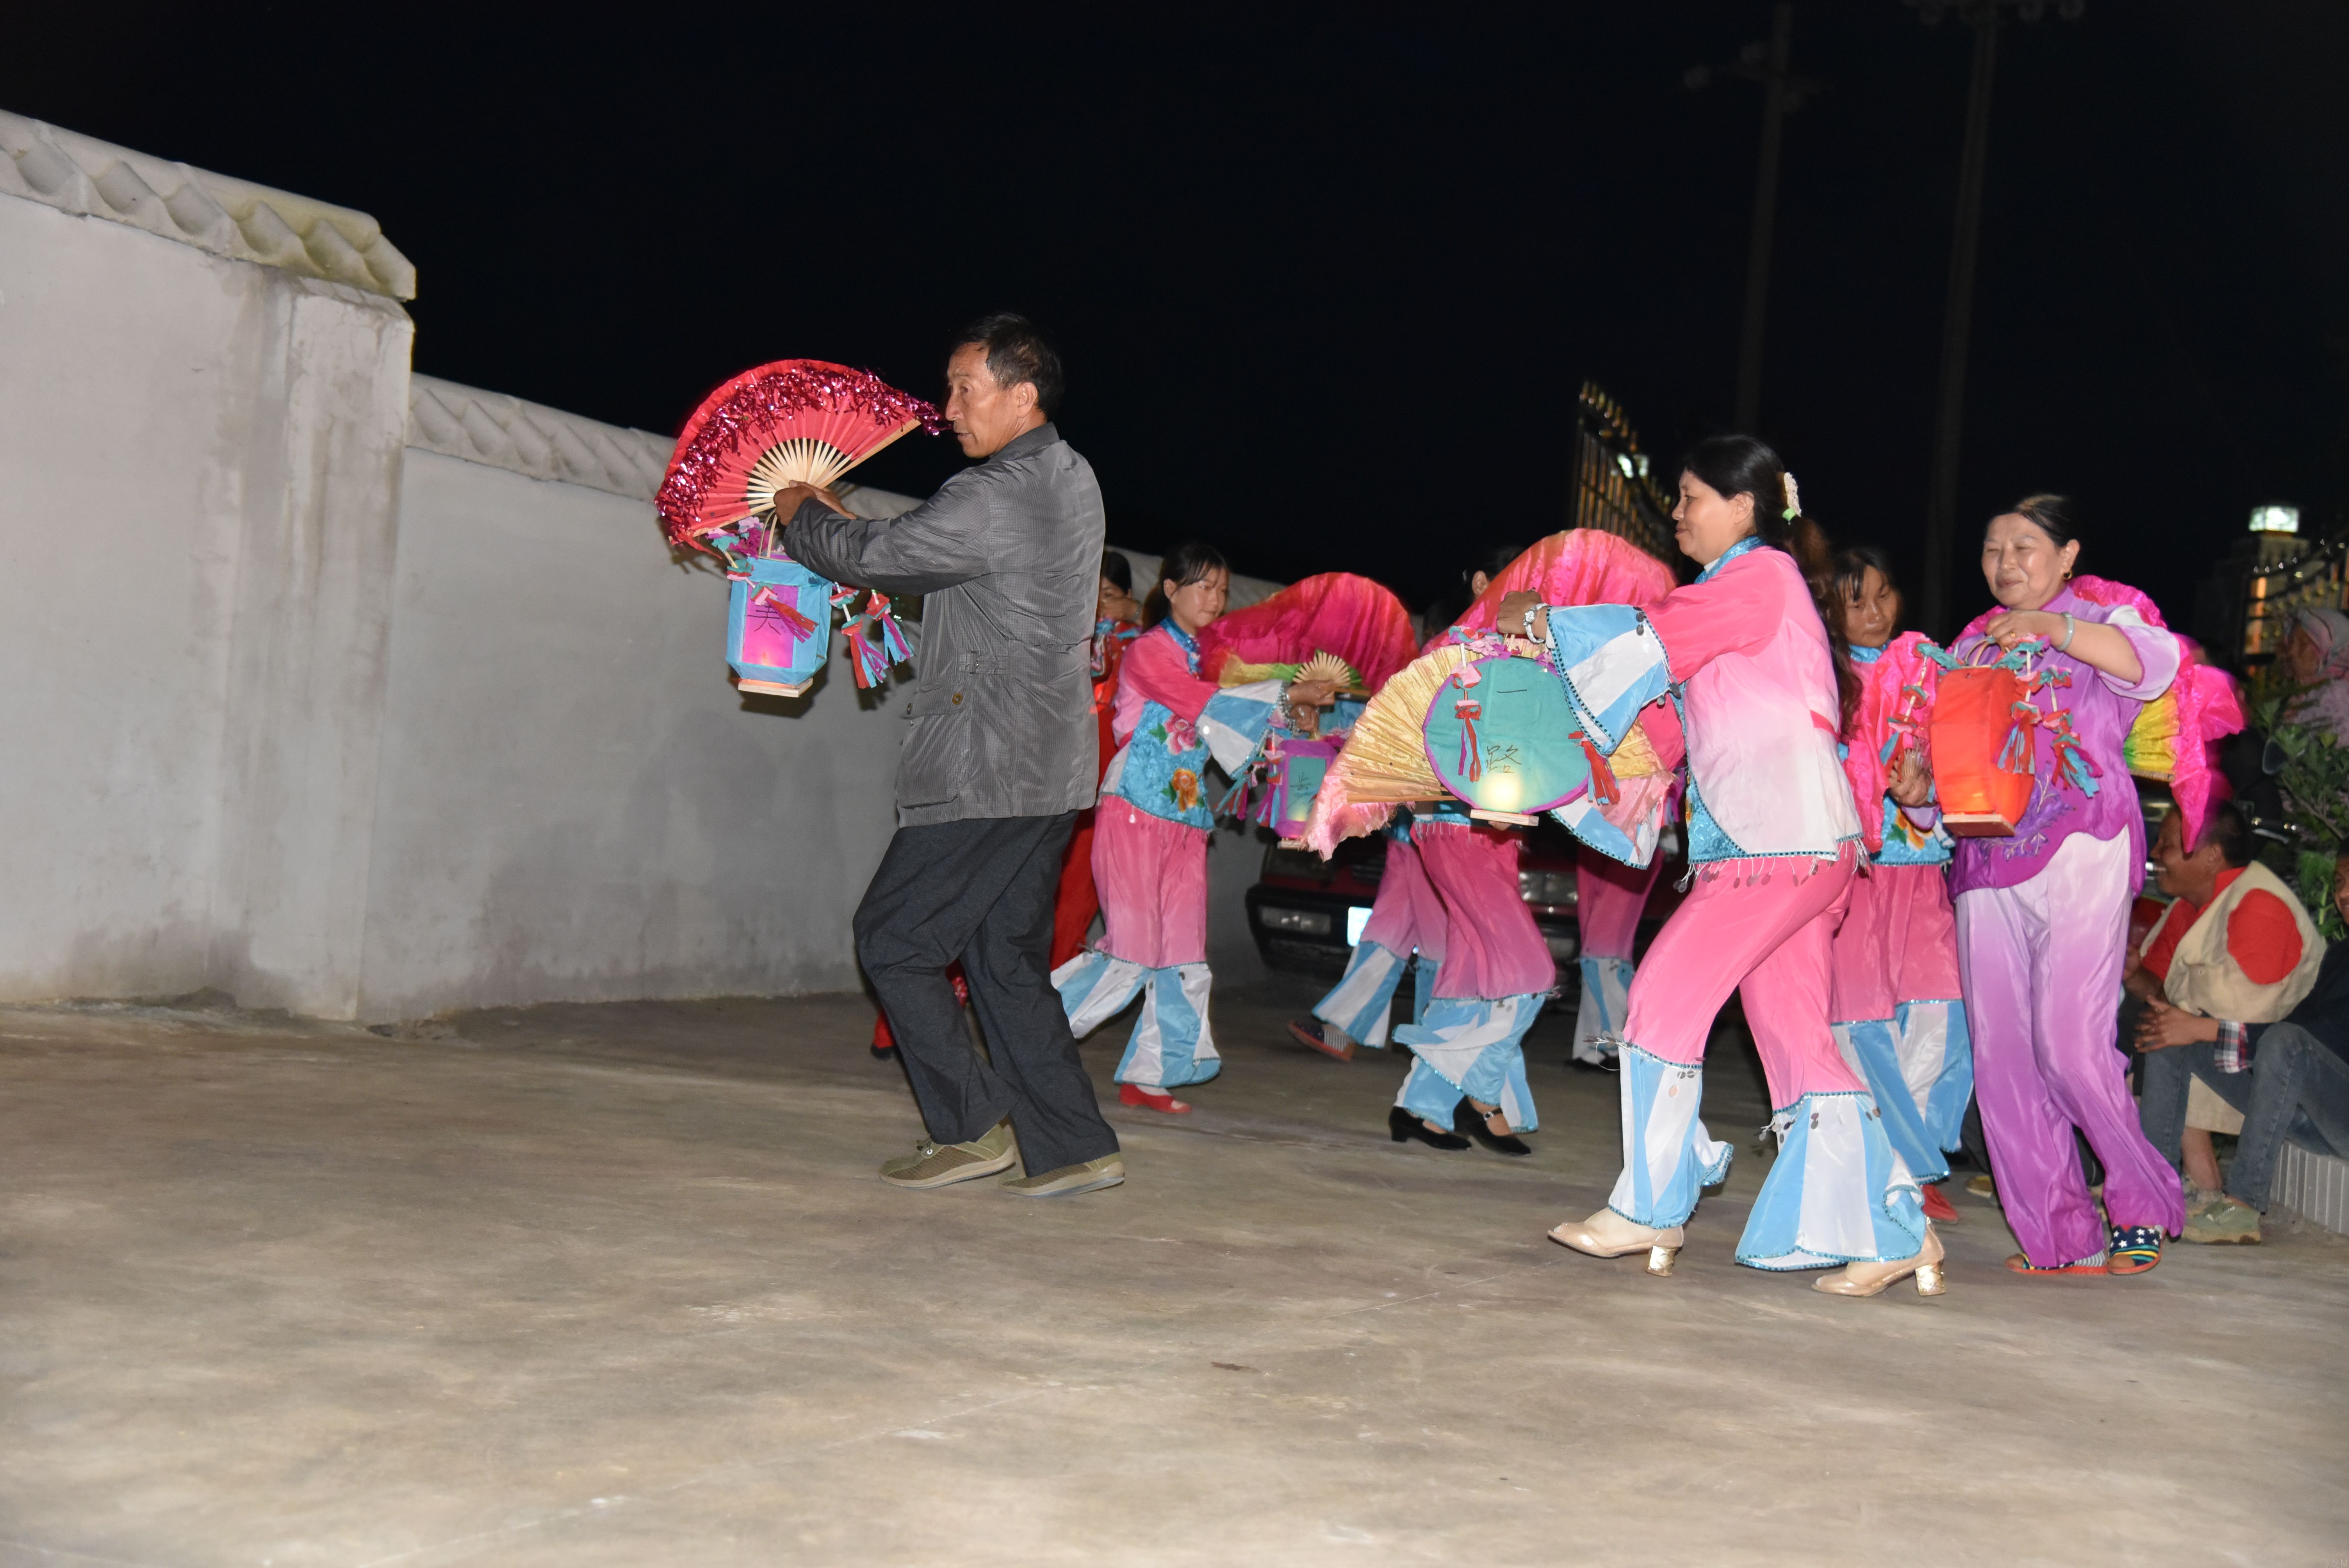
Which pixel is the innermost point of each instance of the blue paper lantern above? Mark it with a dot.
(1507, 742)
(778, 626)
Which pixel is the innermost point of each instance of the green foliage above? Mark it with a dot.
(2315, 781)
(2314, 885)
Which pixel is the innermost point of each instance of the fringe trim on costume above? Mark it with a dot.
(1747, 871)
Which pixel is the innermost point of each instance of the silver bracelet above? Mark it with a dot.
(2069, 627)
(1529, 623)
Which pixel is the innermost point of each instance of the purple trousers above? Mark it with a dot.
(2041, 967)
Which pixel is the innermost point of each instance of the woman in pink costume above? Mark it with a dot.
(1406, 921)
(1150, 837)
(1468, 1074)
(1899, 1016)
(2042, 916)
(1774, 842)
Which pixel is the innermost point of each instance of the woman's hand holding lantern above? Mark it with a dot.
(1911, 782)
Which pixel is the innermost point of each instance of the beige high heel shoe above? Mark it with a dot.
(1871, 1279)
(1607, 1234)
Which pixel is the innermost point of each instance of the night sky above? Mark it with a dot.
(1327, 283)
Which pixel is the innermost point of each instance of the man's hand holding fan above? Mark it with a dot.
(757, 448)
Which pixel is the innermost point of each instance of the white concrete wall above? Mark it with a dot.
(343, 725)
(575, 803)
(198, 467)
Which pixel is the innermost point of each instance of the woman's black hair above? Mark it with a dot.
(1852, 565)
(1189, 563)
(1492, 562)
(1454, 600)
(2052, 513)
(1118, 570)
(1741, 465)
(1845, 578)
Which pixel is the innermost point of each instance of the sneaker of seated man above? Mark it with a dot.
(2243, 1005)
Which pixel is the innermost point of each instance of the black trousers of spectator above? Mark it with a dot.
(981, 890)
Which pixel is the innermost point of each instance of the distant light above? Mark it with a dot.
(1624, 462)
(2275, 520)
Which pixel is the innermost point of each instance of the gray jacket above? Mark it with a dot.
(1007, 558)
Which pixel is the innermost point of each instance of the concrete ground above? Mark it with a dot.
(617, 1286)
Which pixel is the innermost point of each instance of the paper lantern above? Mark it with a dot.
(1502, 736)
(1974, 716)
(778, 626)
(1296, 778)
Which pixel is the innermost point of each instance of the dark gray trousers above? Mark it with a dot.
(2296, 1088)
(981, 890)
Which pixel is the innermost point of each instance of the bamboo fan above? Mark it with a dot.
(796, 421)
(1327, 666)
(1385, 761)
(1636, 757)
(1322, 666)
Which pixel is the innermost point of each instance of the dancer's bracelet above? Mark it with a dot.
(2069, 627)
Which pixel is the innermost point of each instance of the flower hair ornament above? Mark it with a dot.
(1794, 497)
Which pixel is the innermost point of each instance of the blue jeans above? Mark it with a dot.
(2297, 1088)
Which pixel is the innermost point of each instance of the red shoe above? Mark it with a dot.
(1150, 1099)
(1939, 1210)
(1308, 1032)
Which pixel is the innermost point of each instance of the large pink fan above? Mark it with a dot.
(1580, 566)
(1336, 612)
(796, 421)
(2176, 735)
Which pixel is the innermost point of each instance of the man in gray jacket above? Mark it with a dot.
(999, 758)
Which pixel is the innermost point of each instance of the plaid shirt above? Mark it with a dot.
(2234, 1046)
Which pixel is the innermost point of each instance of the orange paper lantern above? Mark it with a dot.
(1973, 711)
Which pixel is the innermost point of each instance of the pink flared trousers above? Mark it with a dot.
(1764, 930)
(1492, 948)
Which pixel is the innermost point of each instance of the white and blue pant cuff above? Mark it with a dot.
(1360, 1002)
(1172, 1045)
(1472, 1046)
(1836, 1194)
(1669, 1157)
(1606, 1003)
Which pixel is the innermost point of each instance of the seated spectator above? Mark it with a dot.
(2316, 656)
(2234, 971)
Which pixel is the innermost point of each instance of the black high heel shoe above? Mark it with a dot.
(1402, 1125)
(1466, 1118)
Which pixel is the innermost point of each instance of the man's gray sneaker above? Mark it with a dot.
(944, 1164)
(1093, 1175)
(2223, 1220)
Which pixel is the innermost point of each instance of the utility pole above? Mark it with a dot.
(1782, 94)
(1766, 217)
(1957, 320)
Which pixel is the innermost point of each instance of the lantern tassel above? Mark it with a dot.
(1603, 773)
(1472, 750)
